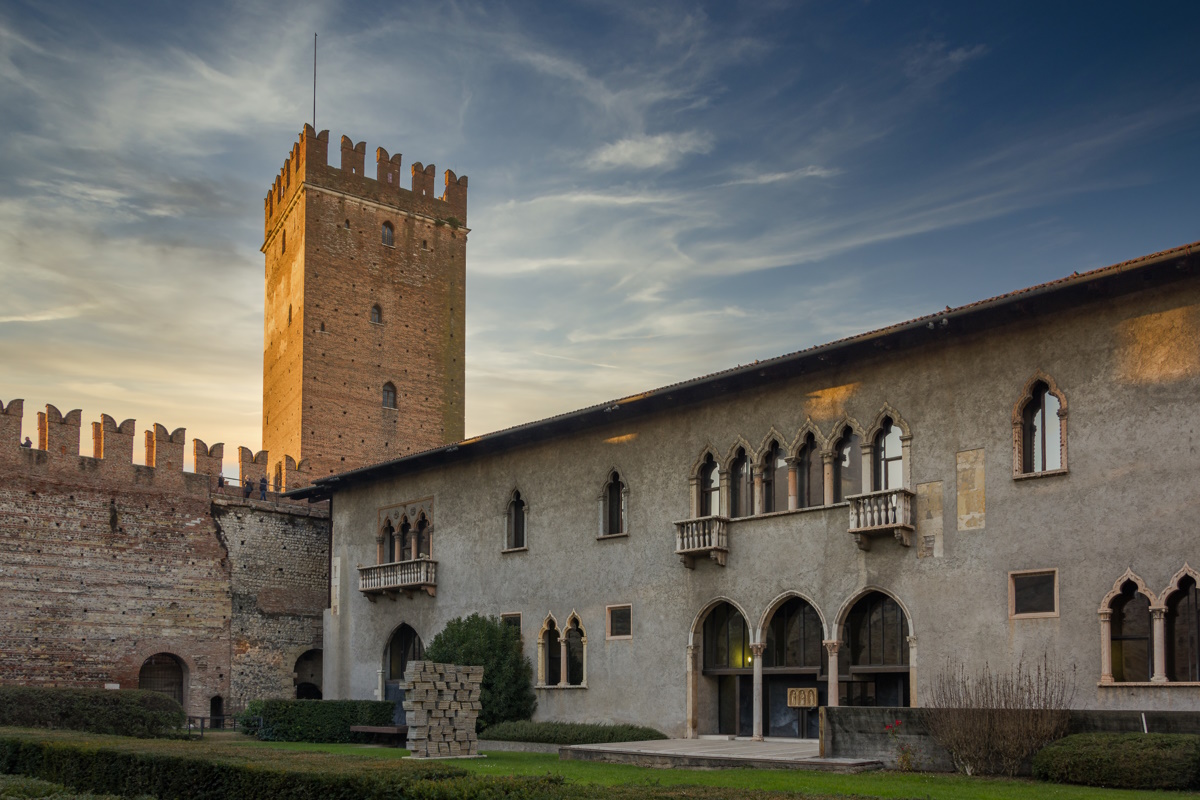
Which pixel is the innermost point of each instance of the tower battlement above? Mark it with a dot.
(308, 163)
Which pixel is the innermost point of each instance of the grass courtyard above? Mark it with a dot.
(581, 778)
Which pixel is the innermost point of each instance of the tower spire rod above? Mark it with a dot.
(314, 81)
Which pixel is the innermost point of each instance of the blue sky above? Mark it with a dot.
(657, 191)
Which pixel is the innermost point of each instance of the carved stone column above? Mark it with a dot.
(756, 650)
(723, 506)
(694, 491)
(913, 701)
(690, 709)
(379, 691)
(1106, 646)
(827, 457)
(906, 463)
(562, 661)
(760, 501)
(793, 485)
(1159, 631)
(379, 549)
(868, 464)
(831, 647)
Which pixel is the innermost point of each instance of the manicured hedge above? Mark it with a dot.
(313, 720)
(124, 712)
(568, 733)
(1122, 760)
(168, 776)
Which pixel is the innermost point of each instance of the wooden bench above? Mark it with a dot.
(395, 735)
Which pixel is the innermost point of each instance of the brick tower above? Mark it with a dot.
(364, 338)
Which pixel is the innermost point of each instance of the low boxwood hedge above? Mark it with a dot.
(123, 712)
(1122, 760)
(313, 720)
(568, 733)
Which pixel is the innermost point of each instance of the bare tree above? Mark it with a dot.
(992, 722)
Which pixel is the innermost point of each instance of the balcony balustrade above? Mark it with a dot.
(881, 513)
(706, 536)
(400, 576)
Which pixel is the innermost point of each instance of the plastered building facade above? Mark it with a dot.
(1006, 482)
(125, 575)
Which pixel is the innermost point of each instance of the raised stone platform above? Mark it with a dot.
(717, 754)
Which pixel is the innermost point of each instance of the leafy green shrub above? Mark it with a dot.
(124, 712)
(313, 720)
(568, 733)
(478, 641)
(1122, 760)
(172, 776)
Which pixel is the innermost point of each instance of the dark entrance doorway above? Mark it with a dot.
(792, 659)
(307, 675)
(873, 657)
(727, 659)
(163, 673)
(405, 646)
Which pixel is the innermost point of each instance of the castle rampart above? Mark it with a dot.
(308, 164)
(104, 563)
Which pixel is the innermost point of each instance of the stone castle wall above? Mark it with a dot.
(104, 563)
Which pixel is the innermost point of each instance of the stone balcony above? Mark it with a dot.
(883, 513)
(705, 536)
(400, 576)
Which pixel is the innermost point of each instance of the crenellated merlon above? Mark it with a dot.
(112, 449)
(308, 163)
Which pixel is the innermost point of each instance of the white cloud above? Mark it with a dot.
(664, 150)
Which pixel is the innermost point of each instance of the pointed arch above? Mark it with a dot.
(1173, 586)
(779, 600)
(549, 652)
(773, 434)
(705, 484)
(839, 427)
(709, 449)
(739, 444)
(885, 413)
(698, 620)
(844, 611)
(1128, 575)
(739, 467)
(1033, 433)
(575, 650)
(808, 427)
(1027, 391)
(516, 521)
(614, 503)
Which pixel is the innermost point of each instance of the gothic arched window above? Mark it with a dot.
(710, 487)
(1041, 431)
(810, 475)
(515, 536)
(888, 472)
(847, 466)
(775, 479)
(1130, 635)
(741, 488)
(389, 234)
(1183, 633)
(551, 655)
(614, 506)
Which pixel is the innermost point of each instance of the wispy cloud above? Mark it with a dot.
(662, 151)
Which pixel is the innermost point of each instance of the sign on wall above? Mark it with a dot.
(803, 698)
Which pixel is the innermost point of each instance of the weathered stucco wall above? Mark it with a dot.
(1127, 366)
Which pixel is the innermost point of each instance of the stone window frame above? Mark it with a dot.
(759, 469)
(389, 388)
(1186, 571)
(829, 456)
(1012, 594)
(1018, 423)
(602, 533)
(376, 314)
(513, 496)
(387, 235)
(411, 510)
(541, 650)
(608, 634)
(694, 487)
(725, 467)
(820, 451)
(868, 445)
(1157, 621)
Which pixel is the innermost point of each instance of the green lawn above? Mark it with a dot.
(368, 759)
(866, 784)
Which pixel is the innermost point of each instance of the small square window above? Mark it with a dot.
(620, 622)
(512, 620)
(1033, 593)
